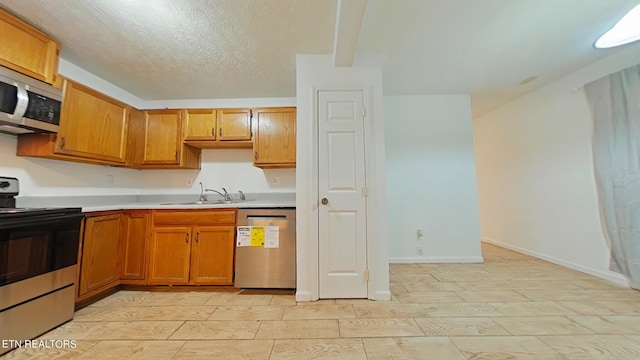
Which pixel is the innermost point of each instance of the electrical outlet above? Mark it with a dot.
(275, 180)
(110, 179)
(189, 181)
(419, 250)
(419, 234)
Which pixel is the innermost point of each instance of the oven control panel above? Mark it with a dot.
(8, 186)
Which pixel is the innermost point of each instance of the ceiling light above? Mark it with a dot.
(623, 32)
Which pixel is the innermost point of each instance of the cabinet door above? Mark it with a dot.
(136, 224)
(162, 137)
(274, 144)
(200, 124)
(212, 255)
(27, 50)
(234, 124)
(99, 265)
(169, 255)
(92, 125)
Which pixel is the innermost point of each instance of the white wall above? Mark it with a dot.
(78, 74)
(431, 180)
(42, 177)
(535, 173)
(82, 76)
(315, 72)
(232, 169)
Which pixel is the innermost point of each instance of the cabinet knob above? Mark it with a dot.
(62, 142)
(324, 201)
(186, 238)
(220, 132)
(213, 132)
(197, 236)
(255, 155)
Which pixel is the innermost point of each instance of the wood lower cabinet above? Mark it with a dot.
(169, 256)
(27, 50)
(192, 247)
(155, 247)
(100, 249)
(212, 255)
(274, 143)
(136, 230)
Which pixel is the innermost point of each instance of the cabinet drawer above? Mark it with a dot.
(194, 217)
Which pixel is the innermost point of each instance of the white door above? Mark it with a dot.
(341, 195)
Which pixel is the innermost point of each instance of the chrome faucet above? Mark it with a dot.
(242, 197)
(225, 195)
(203, 196)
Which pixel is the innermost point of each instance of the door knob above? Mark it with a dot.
(324, 201)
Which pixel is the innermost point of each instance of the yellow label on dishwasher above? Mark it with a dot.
(257, 236)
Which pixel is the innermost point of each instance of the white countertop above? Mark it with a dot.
(173, 201)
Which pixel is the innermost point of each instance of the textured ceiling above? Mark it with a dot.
(210, 49)
(187, 49)
(483, 47)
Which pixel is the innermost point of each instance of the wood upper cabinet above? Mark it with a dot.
(192, 247)
(27, 50)
(136, 233)
(162, 137)
(274, 143)
(94, 128)
(159, 142)
(99, 265)
(92, 125)
(218, 128)
(200, 124)
(234, 124)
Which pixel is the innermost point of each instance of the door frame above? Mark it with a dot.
(308, 203)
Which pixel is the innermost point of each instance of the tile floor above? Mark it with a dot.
(511, 307)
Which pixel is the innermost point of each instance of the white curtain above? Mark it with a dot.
(615, 106)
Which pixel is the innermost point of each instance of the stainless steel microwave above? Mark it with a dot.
(27, 105)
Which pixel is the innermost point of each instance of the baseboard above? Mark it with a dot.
(435, 260)
(613, 277)
(303, 296)
(382, 295)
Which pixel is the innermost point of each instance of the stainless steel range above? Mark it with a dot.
(38, 257)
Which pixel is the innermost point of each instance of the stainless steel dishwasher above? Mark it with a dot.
(260, 267)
